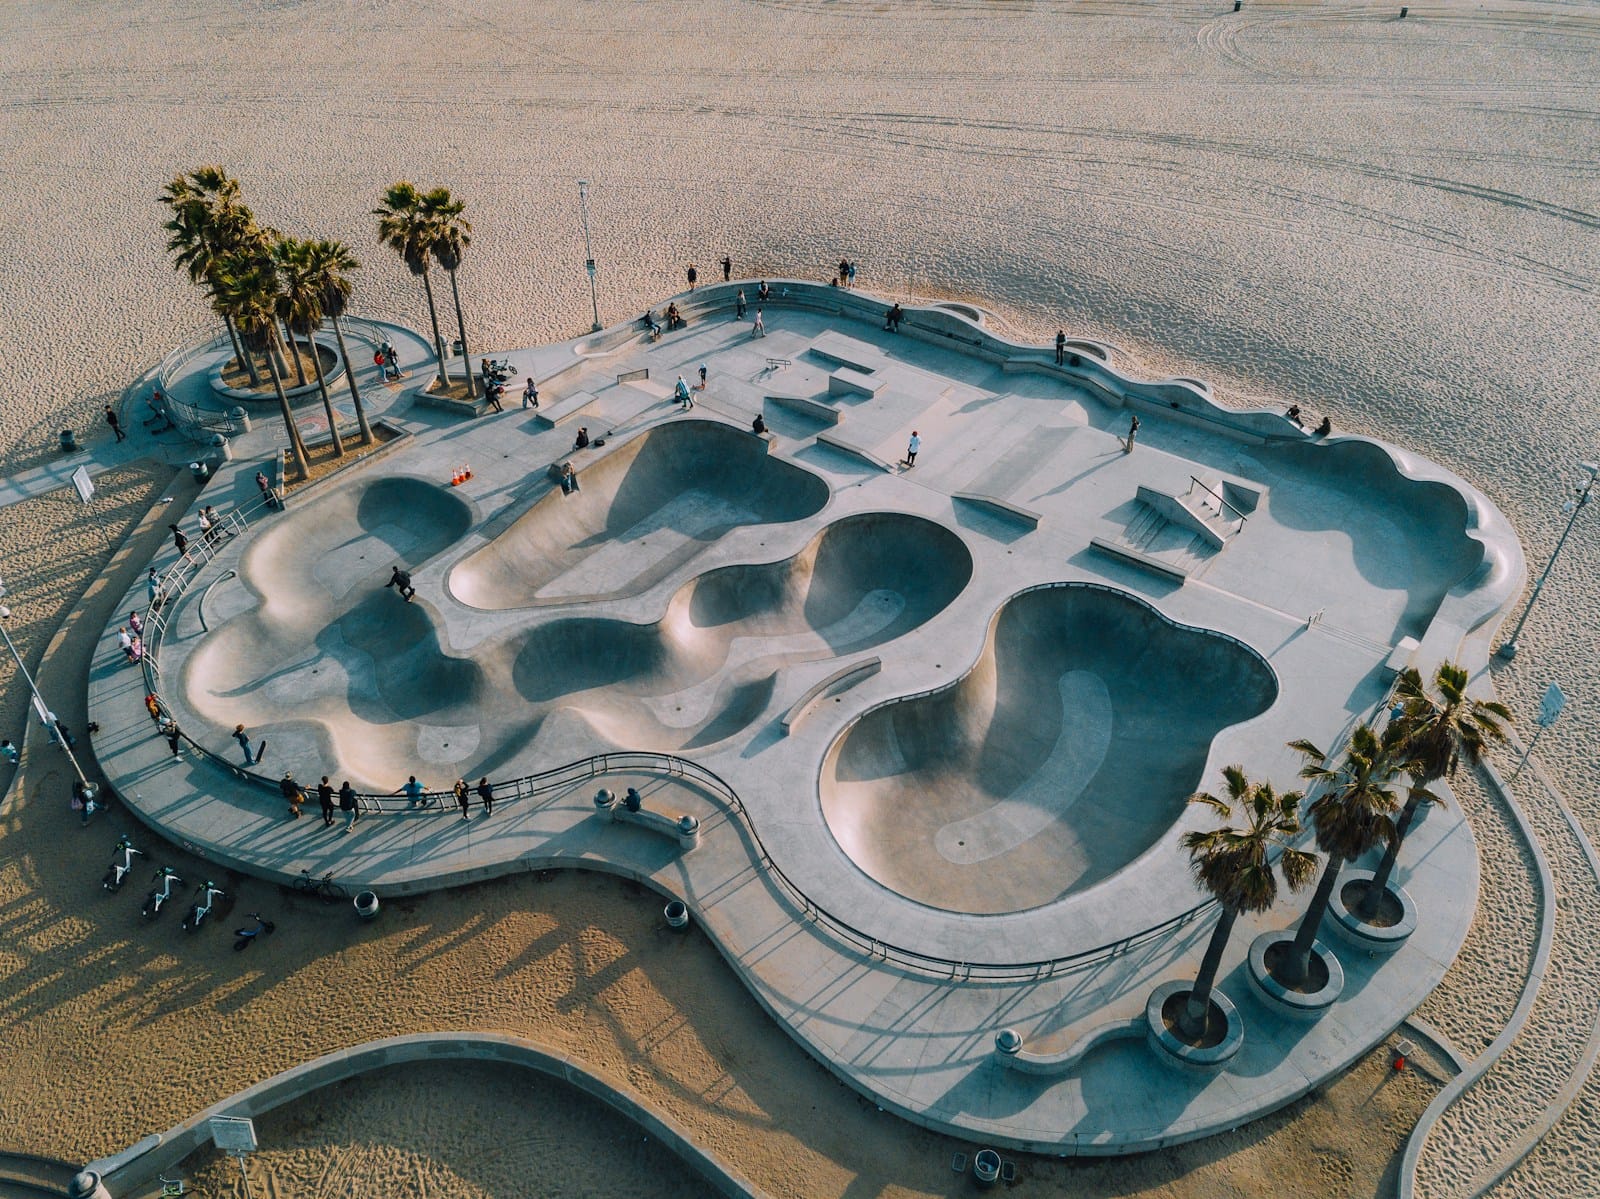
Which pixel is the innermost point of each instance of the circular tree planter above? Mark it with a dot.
(1387, 931)
(1325, 984)
(333, 368)
(1161, 1014)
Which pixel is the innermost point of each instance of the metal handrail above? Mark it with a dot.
(182, 574)
(1197, 483)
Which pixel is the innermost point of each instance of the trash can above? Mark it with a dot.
(677, 914)
(367, 905)
(69, 442)
(200, 471)
(986, 1168)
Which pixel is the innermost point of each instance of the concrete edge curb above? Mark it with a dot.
(171, 1147)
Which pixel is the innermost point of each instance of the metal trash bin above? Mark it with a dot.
(366, 903)
(200, 471)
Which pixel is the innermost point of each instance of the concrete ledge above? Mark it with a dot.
(814, 409)
(1002, 508)
(1009, 1051)
(429, 398)
(836, 442)
(858, 357)
(1300, 1005)
(685, 830)
(847, 676)
(550, 413)
(125, 1174)
(846, 381)
(1128, 554)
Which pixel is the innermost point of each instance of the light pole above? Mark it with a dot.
(588, 251)
(89, 789)
(1509, 649)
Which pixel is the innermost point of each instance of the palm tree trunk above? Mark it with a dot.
(1197, 1010)
(350, 377)
(1368, 907)
(1299, 965)
(327, 400)
(438, 342)
(294, 351)
(248, 361)
(297, 447)
(461, 328)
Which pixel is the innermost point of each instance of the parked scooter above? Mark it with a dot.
(167, 882)
(121, 865)
(201, 908)
(498, 372)
(248, 936)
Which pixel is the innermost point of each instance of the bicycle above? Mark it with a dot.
(323, 888)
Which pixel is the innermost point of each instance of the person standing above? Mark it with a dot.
(530, 395)
(401, 579)
(680, 392)
(116, 425)
(325, 801)
(463, 799)
(152, 586)
(217, 527)
(486, 793)
(126, 643)
(243, 738)
(347, 805)
(263, 486)
(1133, 431)
(912, 447)
(412, 790)
(9, 752)
(290, 790)
(727, 268)
(850, 273)
(738, 306)
(174, 735)
(179, 540)
(759, 328)
(702, 376)
(844, 272)
(1061, 347)
(208, 532)
(694, 276)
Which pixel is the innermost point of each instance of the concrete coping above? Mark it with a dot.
(1002, 508)
(845, 676)
(1128, 554)
(828, 438)
(806, 406)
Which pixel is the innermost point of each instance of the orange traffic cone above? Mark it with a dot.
(466, 473)
(455, 478)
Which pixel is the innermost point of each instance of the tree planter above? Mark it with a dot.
(1325, 984)
(1397, 918)
(1160, 1012)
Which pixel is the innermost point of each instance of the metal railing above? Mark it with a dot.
(1194, 482)
(186, 570)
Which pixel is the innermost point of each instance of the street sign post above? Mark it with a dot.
(1550, 709)
(235, 1136)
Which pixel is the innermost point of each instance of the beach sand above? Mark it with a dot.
(1393, 222)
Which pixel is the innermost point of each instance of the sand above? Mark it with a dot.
(1391, 221)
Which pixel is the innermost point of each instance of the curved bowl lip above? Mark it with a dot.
(990, 625)
(613, 446)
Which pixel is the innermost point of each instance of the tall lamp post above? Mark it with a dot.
(1509, 649)
(43, 708)
(588, 251)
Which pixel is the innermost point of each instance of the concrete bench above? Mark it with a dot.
(848, 381)
(685, 830)
(550, 413)
(433, 399)
(1010, 1052)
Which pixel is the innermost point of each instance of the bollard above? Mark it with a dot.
(220, 444)
(688, 832)
(1007, 1044)
(87, 1185)
(604, 801)
(241, 418)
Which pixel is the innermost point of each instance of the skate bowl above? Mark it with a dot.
(1066, 752)
(646, 507)
(709, 667)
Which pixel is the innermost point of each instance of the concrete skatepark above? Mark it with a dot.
(936, 725)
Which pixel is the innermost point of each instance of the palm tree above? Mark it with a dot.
(247, 288)
(410, 231)
(300, 305)
(1354, 812)
(208, 223)
(1235, 866)
(329, 262)
(452, 236)
(1440, 727)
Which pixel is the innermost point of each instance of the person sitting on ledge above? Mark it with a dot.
(896, 315)
(758, 426)
(763, 293)
(674, 318)
(1324, 428)
(581, 442)
(569, 480)
(650, 326)
(633, 801)
(1293, 413)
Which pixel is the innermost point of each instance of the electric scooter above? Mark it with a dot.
(167, 882)
(121, 865)
(247, 936)
(201, 908)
